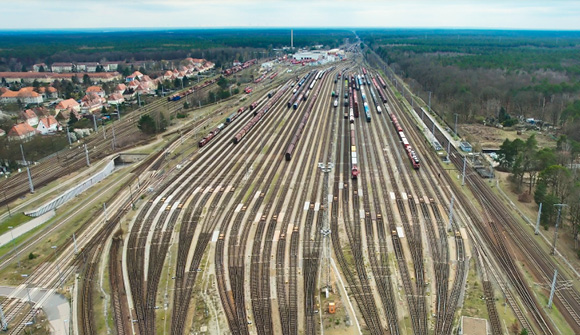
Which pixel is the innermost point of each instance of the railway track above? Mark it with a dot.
(120, 308)
(447, 299)
(357, 279)
(498, 209)
(121, 134)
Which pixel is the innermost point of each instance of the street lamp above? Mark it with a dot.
(27, 289)
(57, 265)
(7, 207)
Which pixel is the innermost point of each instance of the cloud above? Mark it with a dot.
(516, 14)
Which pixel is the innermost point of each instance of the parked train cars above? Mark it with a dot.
(258, 116)
(183, 94)
(367, 112)
(211, 135)
(227, 122)
(353, 157)
(410, 152)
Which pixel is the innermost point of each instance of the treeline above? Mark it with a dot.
(550, 174)
(20, 50)
(476, 73)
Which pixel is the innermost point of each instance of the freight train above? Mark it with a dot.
(227, 122)
(355, 103)
(381, 93)
(259, 115)
(353, 158)
(302, 125)
(410, 152)
(382, 82)
(237, 68)
(183, 94)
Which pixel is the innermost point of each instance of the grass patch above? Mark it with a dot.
(13, 221)
(474, 305)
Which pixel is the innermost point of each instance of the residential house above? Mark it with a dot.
(48, 92)
(110, 66)
(49, 77)
(91, 103)
(88, 66)
(41, 111)
(135, 76)
(115, 99)
(22, 131)
(66, 104)
(36, 67)
(62, 67)
(150, 83)
(96, 90)
(25, 95)
(195, 61)
(143, 88)
(47, 125)
(130, 93)
(169, 75)
(120, 88)
(63, 115)
(133, 84)
(30, 117)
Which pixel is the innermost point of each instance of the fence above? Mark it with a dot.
(78, 189)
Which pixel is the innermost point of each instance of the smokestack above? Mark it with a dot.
(292, 38)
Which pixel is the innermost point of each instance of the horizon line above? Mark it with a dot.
(116, 29)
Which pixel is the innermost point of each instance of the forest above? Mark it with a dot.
(476, 73)
(21, 49)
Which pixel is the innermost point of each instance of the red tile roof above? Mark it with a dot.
(67, 103)
(21, 129)
(48, 121)
(94, 89)
(28, 114)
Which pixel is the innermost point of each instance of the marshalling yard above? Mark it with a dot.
(316, 204)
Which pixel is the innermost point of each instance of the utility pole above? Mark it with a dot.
(537, 231)
(114, 141)
(95, 122)
(451, 214)
(68, 136)
(463, 178)
(7, 207)
(553, 289)
(119, 113)
(456, 124)
(556, 230)
(132, 202)
(429, 101)
(27, 170)
(87, 155)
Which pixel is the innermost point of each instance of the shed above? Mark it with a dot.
(465, 146)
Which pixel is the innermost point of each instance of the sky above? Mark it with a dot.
(494, 14)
